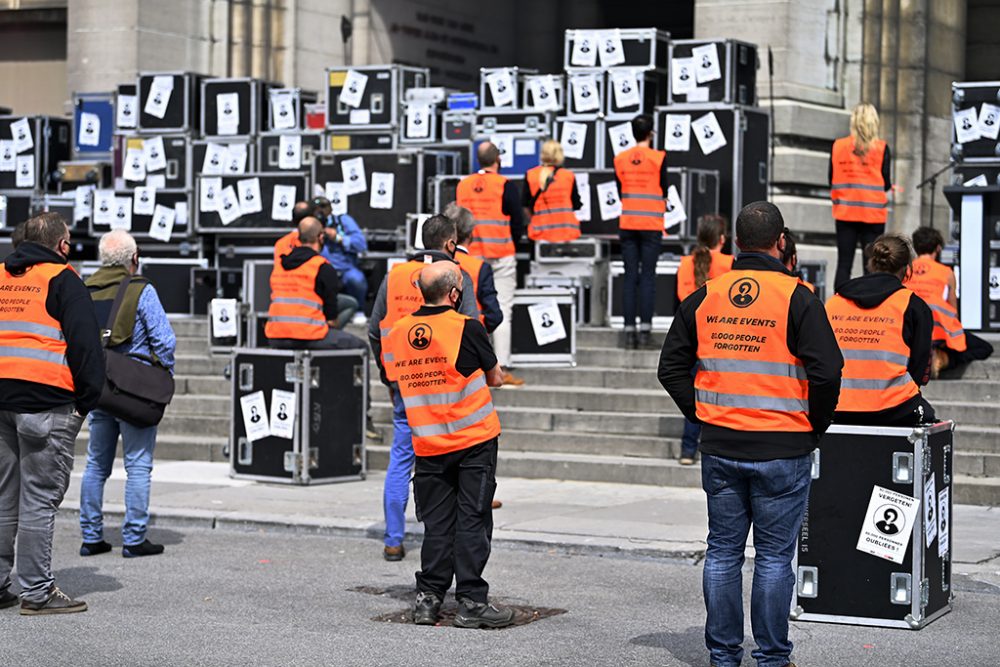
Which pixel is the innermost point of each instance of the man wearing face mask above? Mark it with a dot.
(51, 376)
(397, 297)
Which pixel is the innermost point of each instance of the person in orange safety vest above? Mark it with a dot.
(884, 332)
(444, 366)
(550, 198)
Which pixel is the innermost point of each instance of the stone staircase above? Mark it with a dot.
(606, 420)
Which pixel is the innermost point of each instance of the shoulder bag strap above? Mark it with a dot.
(116, 305)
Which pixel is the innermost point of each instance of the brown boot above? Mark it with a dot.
(394, 553)
(939, 362)
(496, 505)
(512, 380)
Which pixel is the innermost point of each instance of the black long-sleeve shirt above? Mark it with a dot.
(810, 338)
(511, 206)
(528, 200)
(68, 302)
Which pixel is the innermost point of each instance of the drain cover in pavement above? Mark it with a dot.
(523, 614)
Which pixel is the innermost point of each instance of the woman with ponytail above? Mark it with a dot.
(884, 332)
(707, 260)
(705, 263)
(859, 183)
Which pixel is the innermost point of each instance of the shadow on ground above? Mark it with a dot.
(687, 646)
(523, 614)
(80, 581)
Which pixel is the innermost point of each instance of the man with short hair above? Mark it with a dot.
(51, 376)
(397, 297)
(765, 389)
(642, 181)
(304, 310)
(455, 436)
(142, 331)
(481, 273)
(496, 205)
(345, 243)
(290, 241)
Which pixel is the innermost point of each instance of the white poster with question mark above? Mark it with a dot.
(583, 189)
(153, 152)
(354, 88)
(282, 201)
(20, 132)
(677, 133)
(282, 110)
(255, 416)
(282, 413)
(609, 201)
(708, 132)
(989, 121)
(90, 129)
(104, 203)
(235, 159)
(122, 217)
(625, 82)
(162, 225)
(8, 157)
(682, 79)
(160, 91)
(227, 204)
(228, 108)
(621, 137)
(966, 125)
(209, 194)
(25, 177)
(418, 125)
(214, 162)
(135, 165)
(504, 144)
(584, 52)
(501, 85)
(611, 50)
(382, 186)
(125, 111)
(585, 93)
(224, 318)
(674, 213)
(573, 137)
(546, 322)
(543, 93)
(706, 63)
(143, 200)
(353, 171)
(290, 151)
(337, 194)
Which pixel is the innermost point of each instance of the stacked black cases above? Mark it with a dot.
(260, 222)
(652, 88)
(180, 107)
(284, 109)
(738, 64)
(327, 414)
(837, 583)
(52, 141)
(15, 208)
(269, 156)
(976, 211)
(362, 141)
(741, 163)
(641, 47)
(172, 280)
(966, 96)
(217, 108)
(225, 160)
(142, 223)
(592, 139)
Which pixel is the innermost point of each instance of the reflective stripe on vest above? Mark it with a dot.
(446, 411)
(929, 280)
(747, 379)
(553, 218)
(482, 194)
(402, 295)
(472, 266)
(296, 310)
(638, 170)
(875, 355)
(858, 189)
(32, 343)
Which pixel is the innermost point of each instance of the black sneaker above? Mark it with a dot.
(7, 599)
(426, 608)
(147, 548)
(645, 340)
(57, 603)
(371, 432)
(631, 340)
(94, 548)
(482, 615)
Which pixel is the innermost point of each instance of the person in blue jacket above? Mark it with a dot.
(345, 243)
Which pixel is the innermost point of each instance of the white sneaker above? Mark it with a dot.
(359, 318)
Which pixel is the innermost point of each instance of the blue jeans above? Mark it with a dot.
(355, 284)
(396, 491)
(772, 495)
(137, 448)
(689, 441)
(640, 251)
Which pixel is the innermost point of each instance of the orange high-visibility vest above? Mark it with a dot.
(747, 379)
(929, 280)
(482, 193)
(32, 345)
(285, 245)
(296, 310)
(552, 217)
(858, 189)
(402, 294)
(721, 263)
(643, 204)
(472, 266)
(875, 354)
(446, 411)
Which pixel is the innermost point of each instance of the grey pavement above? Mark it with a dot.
(563, 516)
(220, 598)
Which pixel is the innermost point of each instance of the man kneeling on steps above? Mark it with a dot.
(455, 428)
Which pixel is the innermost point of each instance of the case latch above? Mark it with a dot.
(925, 592)
(900, 588)
(945, 471)
(808, 581)
(902, 467)
(292, 462)
(926, 456)
(295, 372)
(245, 376)
(244, 452)
(814, 464)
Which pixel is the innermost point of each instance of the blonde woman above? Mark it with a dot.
(859, 186)
(550, 198)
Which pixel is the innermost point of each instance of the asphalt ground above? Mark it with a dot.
(230, 597)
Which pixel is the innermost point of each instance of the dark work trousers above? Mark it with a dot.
(977, 350)
(640, 251)
(454, 495)
(849, 234)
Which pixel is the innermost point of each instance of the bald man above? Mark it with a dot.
(455, 434)
(290, 241)
(304, 312)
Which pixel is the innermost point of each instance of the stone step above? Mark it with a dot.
(618, 358)
(194, 327)
(200, 364)
(194, 425)
(603, 337)
(985, 439)
(202, 384)
(585, 399)
(977, 464)
(187, 345)
(175, 447)
(201, 404)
